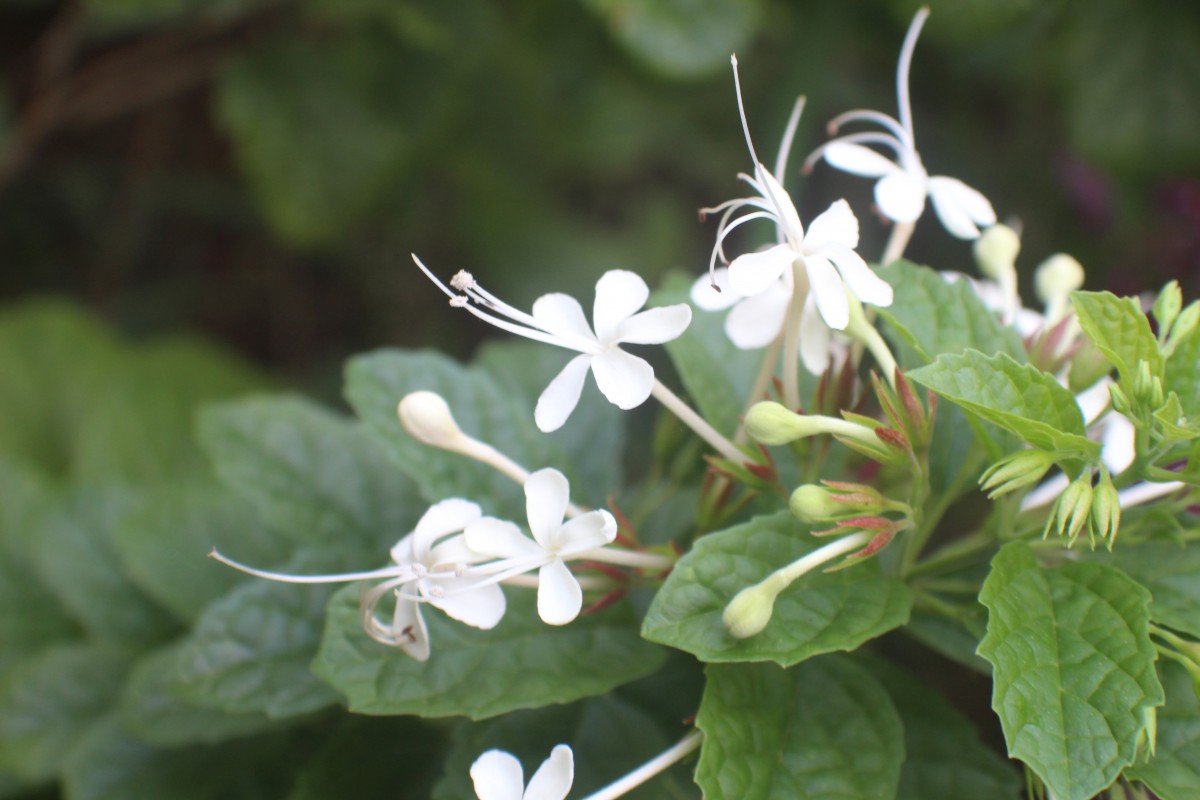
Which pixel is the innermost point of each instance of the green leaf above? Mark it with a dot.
(376, 382)
(934, 316)
(149, 709)
(609, 736)
(108, 764)
(717, 375)
(163, 544)
(680, 38)
(521, 663)
(317, 477)
(1183, 374)
(945, 758)
(1171, 571)
(1119, 329)
(75, 557)
(321, 127)
(373, 758)
(49, 701)
(822, 612)
(1073, 668)
(956, 639)
(1173, 772)
(250, 651)
(825, 729)
(1017, 397)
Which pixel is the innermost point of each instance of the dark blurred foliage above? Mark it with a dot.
(260, 170)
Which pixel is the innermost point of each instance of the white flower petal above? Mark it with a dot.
(547, 494)
(585, 532)
(562, 395)
(709, 299)
(501, 539)
(858, 160)
(624, 379)
(751, 273)
(497, 775)
(559, 597)
(454, 550)
(814, 338)
(408, 629)
(960, 208)
(481, 606)
(655, 325)
(757, 320)
(554, 777)
(859, 278)
(448, 516)
(901, 196)
(779, 200)
(835, 225)
(826, 284)
(619, 294)
(562, 315)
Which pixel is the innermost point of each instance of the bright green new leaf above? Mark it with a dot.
(521, 663)
(1171, 571)
(1017, 397)
(1119, 329)
(250, 651)
(1173, 772)
(1183, 374)
(821, 612)
(1073, 668)
(75, 557)
(48, 701)
(150, 710)
(825, 729)
(680, 38)
(934, 316)
(317, 477)
(945, 758)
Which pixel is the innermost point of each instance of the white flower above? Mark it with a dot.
(625, 379)
(903, 183)
(497, 775)
(547, 494)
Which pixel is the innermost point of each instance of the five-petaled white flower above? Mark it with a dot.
(547, 494)
(497, 775)
(903, 183)
(558, 319)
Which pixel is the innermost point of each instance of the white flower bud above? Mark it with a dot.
(750, 610)
(996, 252)
(1054, 280)
(427, 418)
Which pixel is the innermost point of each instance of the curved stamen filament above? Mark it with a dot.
(723, 231)
(906, 54)
(402, 572)
(789, 133)
(877, 117)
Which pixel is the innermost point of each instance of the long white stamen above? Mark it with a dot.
(906, 54)
(763, 186)
(723, 231)
(403, 572)
(789, 133)
(737, 86)
(877, 117)
(648, 770)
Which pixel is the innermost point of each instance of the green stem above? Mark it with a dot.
(697, 423)
(897, 242)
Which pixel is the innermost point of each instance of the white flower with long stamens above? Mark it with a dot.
(903, 182)
(625, 379)
(497, 775)
(547, 495)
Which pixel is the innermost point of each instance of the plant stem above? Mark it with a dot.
(697, 423)
(649, 769)
(897, 242)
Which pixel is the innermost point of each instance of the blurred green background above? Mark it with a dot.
(259, 171)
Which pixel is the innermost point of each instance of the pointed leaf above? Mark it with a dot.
(1119, 329)
(1183, 374)
(1017, 397)
(1073, 668)
(1171, 571)
(825, 729)
(521, 663)
(821, 612)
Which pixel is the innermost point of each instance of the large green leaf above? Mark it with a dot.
(1119, 329)
(317, 477)
(1017, 397)
(49, 701)
(822, 612)
(945, 758)
(935, 316)
(150, 710)
(250, 651)
(1073, 668)
(75, 557)
(680, 38)
(1183, 374)
(376, 382)
(521, 663)
(1171, 571)
(825, 729)
(373, 758)
(1173, 772)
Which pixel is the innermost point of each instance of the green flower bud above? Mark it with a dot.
(813, 503)
(1120, 402)
(750, 610)
(1106, 510)
(1016, 471)
(770, 423)
(1072, 510)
